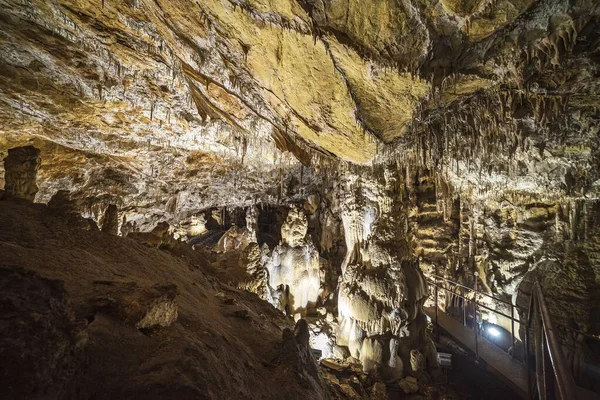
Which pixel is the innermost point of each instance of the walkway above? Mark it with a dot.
(511, 371)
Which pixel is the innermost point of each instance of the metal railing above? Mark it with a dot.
(553, 376)
(437, 286)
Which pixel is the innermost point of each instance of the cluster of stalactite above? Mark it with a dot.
(489, 127)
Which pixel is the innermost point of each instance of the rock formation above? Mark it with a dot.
(85, 312)
(235, 238)
(294, 266)
(62, 206)
(41, 339)
(20, 172)
(144, 308)
(110, 220)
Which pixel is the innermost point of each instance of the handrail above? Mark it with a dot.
(476, 304)
(589, 336)
(474, 300)
(552, 368)
(471, 289)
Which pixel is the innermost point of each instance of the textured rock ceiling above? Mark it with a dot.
(205, 101)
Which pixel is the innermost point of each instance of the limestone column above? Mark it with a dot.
(110, 220)
(20, 172)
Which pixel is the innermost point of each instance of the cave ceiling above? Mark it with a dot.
(210, 100)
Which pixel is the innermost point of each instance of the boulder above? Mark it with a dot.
(409, 385)
(378, 391)
(334, 365)
(236, 238)
(340, 352)
(349, 392)
(142, 307)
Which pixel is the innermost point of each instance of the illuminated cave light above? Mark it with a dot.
(493, 331)
(322, 342)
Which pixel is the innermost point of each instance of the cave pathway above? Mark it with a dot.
(511, 371)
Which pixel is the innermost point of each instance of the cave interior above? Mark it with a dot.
(300, 199)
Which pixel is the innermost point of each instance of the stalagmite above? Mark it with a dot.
(110, 220)
(295, 264)
(20, 172)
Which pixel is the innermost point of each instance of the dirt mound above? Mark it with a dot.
(158, 324)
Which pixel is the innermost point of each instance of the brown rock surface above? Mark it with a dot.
(219, 90)
(401, 139)
(202, 354)
(110, 220)
(41, 341)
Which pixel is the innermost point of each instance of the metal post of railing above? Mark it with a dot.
(565, 385)
(512, 329)
(475, 324)
(547, 368)
(464, 310)
(526, 358)
(538, 351)
(437, 326)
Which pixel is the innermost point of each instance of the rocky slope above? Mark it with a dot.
(91, 315)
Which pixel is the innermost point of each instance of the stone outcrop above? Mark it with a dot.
(20, 172)
(236, 238)
(381, 289)
(158, 237)
(154, 323)
(254, 259)
(296, 353)
(62, 206)
(143, 307)
(409, 385)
